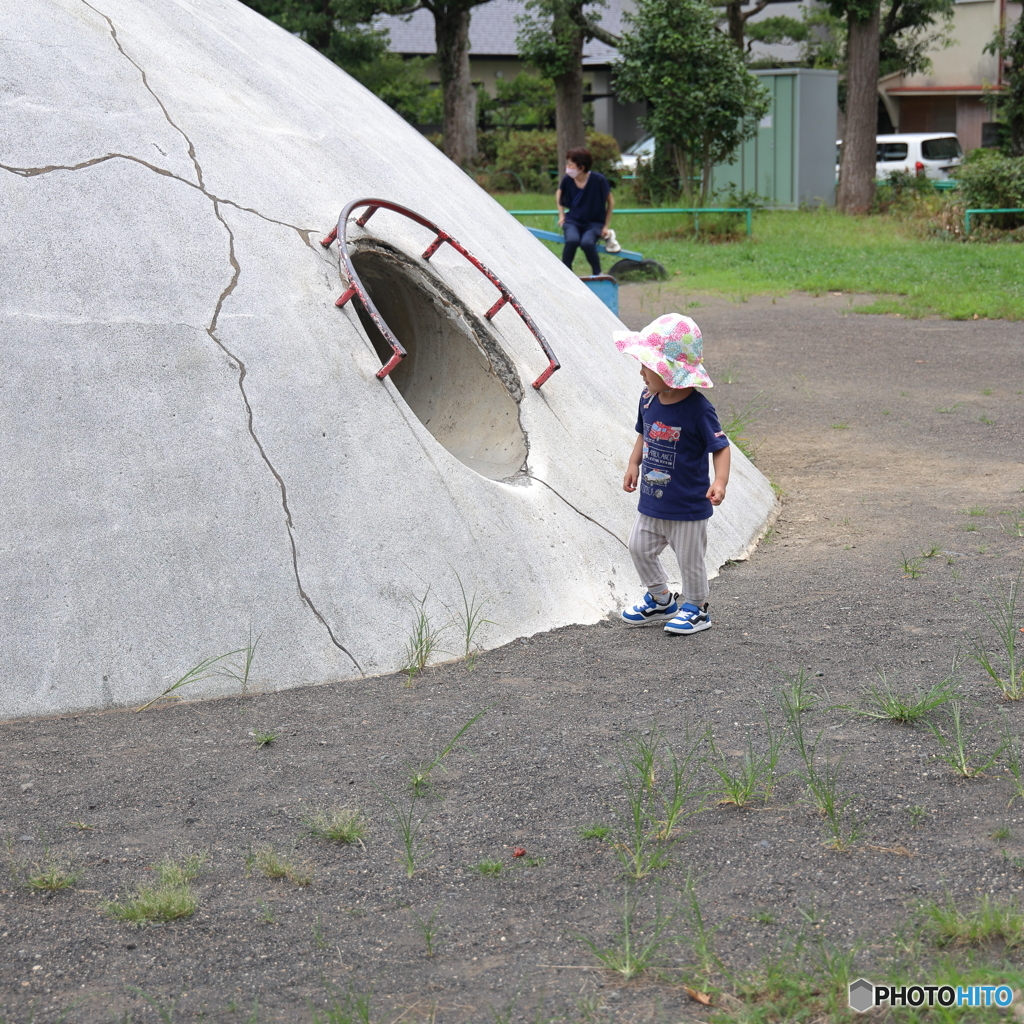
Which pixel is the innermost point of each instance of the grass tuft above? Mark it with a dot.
(268, 861)
(337, 824)
(636, 948)
(488, 867)
(1005, 665)
(169, 899)
(885, 702)
(987, 922)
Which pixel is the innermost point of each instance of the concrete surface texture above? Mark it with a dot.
(196, 449)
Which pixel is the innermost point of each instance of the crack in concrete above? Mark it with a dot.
(306, 234)
(236, 362)
(146, 85)
(578, 511)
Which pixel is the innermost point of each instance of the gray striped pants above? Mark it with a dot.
(687, 538)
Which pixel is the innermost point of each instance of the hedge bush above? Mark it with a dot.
(989, 179)
(528, 161)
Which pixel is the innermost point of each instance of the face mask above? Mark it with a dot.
(572, 171)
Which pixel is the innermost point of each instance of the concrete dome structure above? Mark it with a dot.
(194, 441)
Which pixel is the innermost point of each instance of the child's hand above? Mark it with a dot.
(630, 480)
(716, 493)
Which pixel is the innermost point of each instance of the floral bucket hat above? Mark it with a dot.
(671, 347)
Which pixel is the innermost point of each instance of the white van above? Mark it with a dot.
(933, 154)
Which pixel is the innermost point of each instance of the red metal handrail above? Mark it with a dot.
(355, 287)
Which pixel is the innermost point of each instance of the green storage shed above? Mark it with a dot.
(792, 159)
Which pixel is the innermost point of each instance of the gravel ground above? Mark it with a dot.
(892, 441)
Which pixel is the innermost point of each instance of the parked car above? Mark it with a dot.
(933, 154)
(642, 150)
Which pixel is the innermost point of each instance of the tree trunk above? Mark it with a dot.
(857, 168)
(569, 127)
(737, 23)
(451, 33)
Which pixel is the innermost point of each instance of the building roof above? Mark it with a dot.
(493, 28)
(492, 31)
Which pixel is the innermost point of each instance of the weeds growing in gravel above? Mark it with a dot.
(737, 426)
(678, 798)
(165, 1013)
(595, 831)
(657, 811)
(419, 778)
(272, 864)
(1013, 759)
(842, 825)
(918, 815)
(986, 922)
(429, 929)
(409, 829)
(884, 701)
(338, 824)
(911, 567)
(424, 641)
(343, 1007)
(821, 777)
(754, 776)
(169, 899)
(1014, 524)
(955, 745)
(488, 867)
(700, 937)
(1005, 668)
(262, 738)
(636, 948)
(796, 695)
(52, 874)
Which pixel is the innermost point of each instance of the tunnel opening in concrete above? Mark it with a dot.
(456, 377)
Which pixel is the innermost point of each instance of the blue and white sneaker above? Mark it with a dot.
(690, 619)
(648, 611)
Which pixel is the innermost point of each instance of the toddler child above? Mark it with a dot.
(677, 428)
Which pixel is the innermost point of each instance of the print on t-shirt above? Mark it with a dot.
(678, 437)
(659, 456)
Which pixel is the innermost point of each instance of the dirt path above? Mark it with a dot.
(882, 433)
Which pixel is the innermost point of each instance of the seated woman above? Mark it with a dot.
(585, 204)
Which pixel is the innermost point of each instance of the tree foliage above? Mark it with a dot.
(1009, 103)
(524, 101)
(551, 38)
(909, 30)
(338, 29)
(702, 101)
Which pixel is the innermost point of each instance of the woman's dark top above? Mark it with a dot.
(586, 205)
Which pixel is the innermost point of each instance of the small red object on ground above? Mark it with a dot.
(519, 852)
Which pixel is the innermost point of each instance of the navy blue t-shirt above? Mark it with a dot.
(674, 478)
(586, 205)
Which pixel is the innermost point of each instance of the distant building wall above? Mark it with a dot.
(950, 97)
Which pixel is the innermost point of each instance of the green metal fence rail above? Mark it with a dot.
(696, 210)
(969, 213)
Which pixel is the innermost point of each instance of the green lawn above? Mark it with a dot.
(825, 251)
